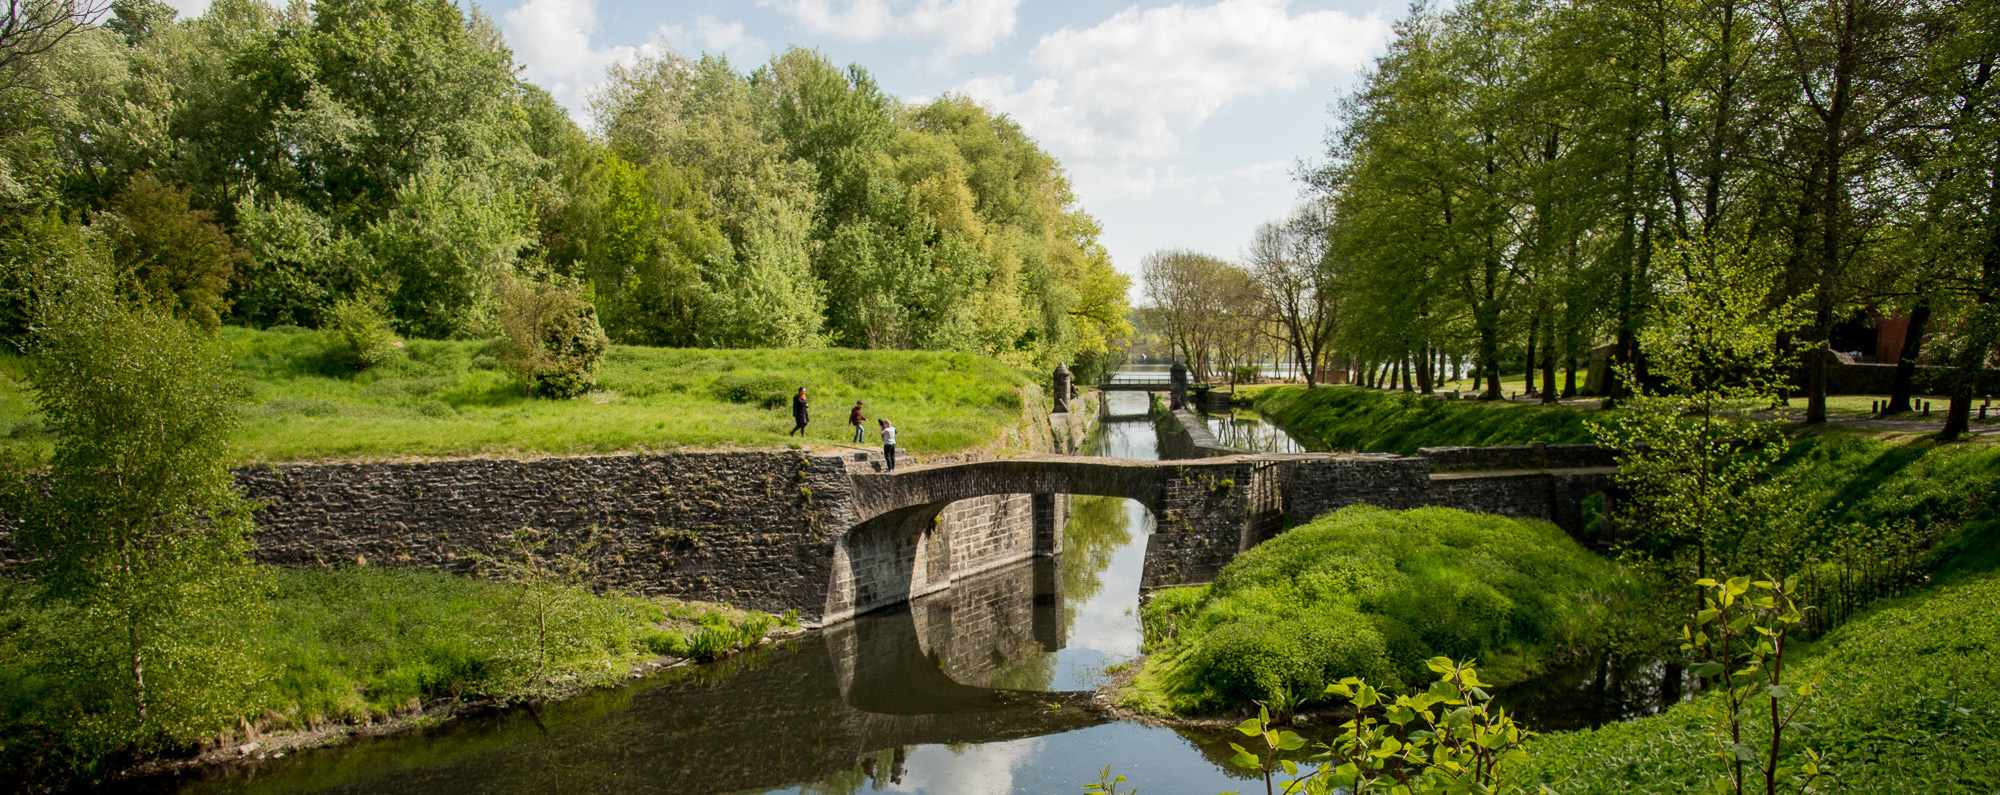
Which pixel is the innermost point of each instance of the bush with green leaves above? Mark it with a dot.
(362, 337)
(549, 337)
(1376, 594)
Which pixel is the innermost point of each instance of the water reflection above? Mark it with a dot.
(1250, 433)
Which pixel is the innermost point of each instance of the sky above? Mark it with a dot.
(1181, 125)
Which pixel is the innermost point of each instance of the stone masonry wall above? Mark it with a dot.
(753, 529)
(1183, 436)
(1520, 456)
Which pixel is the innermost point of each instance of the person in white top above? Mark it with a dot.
(888, 443)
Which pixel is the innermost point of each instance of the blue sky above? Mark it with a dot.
(1180, 124)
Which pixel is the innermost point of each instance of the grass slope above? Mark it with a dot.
(1372, 593)
(1372, 421)
(1907, 700)
(445, 398)
(358, 645)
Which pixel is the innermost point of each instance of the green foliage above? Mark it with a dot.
(1694, 460)
(301, 266)
(550, 623)
(1447, 738)
(1739, 638)
(1367, 420)
(550, 340)
(32, 253)
(360, 334)
(453, 236)
(173, 253)
(1903, 702)
(137, 535)
(1375, 594)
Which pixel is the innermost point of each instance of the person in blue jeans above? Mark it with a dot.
(855, 419)
(889, 443)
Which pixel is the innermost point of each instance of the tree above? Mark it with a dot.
(550, 340)
(1289, 261)
(174, 253)
(32, 28)
(135, 529)
(1694, 459)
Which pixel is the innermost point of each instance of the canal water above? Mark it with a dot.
(970, 691)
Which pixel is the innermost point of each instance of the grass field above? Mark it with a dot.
(1348, 418)
(447, 398)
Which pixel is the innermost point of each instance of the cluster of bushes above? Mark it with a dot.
(1375, 594)
(1371, 421)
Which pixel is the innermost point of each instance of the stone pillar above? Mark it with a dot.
(1048, 521)
(1061, 392)
(1177, 380)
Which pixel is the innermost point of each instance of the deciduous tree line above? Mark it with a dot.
(258, 165)
(1501, 187)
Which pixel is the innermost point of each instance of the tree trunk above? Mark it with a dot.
(1906, 363)
(1549, 363)
(1569, 377)
(1958, 419)
(1425, 373)
(1405, 364)
(1528, 370)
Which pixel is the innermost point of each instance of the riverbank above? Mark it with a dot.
(346, 652)
(1905, 699)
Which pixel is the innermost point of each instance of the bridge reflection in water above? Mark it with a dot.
(819, 707)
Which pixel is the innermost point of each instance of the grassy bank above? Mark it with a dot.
(1906, 700)
(447, 398)
(357, 646)
(1347, 418)
(1372, 593)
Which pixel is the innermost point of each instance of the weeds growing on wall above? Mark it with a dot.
(1374, 594)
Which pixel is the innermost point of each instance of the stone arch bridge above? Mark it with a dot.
(1205, 510)
(828, 537)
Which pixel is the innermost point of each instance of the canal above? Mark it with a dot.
(973, 690)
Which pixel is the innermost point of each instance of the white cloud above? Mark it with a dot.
(1112, 179)
(986, 769)
(189, 9)
(959, 27)
(1130, 87)
(552, 40)
(714, 36)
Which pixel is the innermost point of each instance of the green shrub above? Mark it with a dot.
(1374, 593)
(550, 339)
(763, 391)
(361, 336)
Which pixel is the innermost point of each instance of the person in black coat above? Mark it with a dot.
(801, 413)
